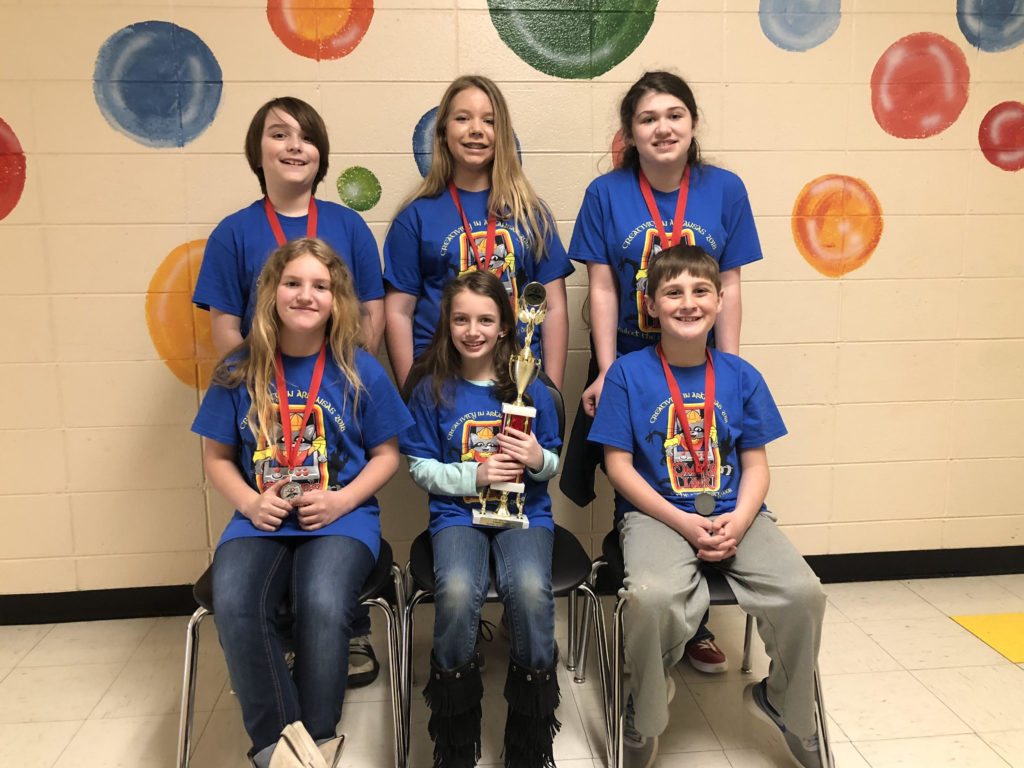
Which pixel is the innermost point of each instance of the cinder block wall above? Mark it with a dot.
(902, 382)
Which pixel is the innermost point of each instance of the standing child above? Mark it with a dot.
(475, 210)
(301, 431)
(684, 429)
(287, 148)
(662, 195)
(460, 382)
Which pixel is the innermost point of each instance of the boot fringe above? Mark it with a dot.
(531, 725)
(454, 726)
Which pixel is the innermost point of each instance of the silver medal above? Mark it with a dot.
(291, 490)
(704, 503)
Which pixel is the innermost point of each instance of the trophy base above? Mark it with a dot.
(496, 520)
(510, 487)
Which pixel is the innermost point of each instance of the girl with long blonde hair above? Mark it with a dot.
(301, 429)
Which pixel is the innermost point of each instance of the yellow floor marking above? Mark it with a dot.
(1002, 631)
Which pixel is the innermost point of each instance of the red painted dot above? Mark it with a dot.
(320, 29)
(618, 147)
(12, 170)
(1001, 136)
(919, 86)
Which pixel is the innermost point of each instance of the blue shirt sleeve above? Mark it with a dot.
(217, 285)
(613, 424)
(218, 416)
(402, 254)
(588, 241)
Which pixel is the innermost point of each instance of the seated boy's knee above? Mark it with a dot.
(652, 594)
(808, 594)
(455, 589)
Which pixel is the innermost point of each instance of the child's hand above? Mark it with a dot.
(696, 530)
(592, 394)
(317, 509)
(522, 447)
(499, 468)
(267, 511)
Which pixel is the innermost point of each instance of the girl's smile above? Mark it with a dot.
(304, 296)
(475, 329)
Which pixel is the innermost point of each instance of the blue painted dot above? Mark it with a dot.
(799, 25)
(157, 83)
(991, 25)
(423, 141)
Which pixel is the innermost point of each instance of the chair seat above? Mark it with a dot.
(570, 565)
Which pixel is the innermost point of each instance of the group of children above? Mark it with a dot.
(302, 425)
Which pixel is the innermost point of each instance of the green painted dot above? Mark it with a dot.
(358, 188)
(576, 39)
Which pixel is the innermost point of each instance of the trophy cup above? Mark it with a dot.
(523, 367)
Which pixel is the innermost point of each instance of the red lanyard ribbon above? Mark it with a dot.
(701, 466)
(292, 445)
(652, 207)
(275, 223)
(492, 225)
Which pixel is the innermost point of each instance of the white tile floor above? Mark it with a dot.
(904, 685)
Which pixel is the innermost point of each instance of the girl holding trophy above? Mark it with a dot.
(456, 450)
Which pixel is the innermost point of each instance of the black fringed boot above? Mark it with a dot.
(453, 696)
(532, 696)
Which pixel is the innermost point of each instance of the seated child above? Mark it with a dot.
(463, 378)
(693, 496)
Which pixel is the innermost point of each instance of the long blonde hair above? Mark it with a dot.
(252, 362)
(511, 195)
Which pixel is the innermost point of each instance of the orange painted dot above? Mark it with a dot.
(320, 29)
(179, 330)
(837, 223)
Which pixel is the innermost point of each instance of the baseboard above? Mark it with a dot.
(177, 600)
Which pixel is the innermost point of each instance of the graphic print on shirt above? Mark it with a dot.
(479, 441)
(270, 461)
(652, 247)
(503, 260)
(682, 473)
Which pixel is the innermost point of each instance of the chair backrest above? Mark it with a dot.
(556, 396)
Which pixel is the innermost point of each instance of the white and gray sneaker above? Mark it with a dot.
(804, 752)
(639, 751)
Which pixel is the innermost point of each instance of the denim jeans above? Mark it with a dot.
(252, 577)
(522, 567)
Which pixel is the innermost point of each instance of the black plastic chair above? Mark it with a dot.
(570, 572)
(570, 569)
(607, 577)
(385, 577)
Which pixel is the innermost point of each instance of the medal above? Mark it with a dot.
(652, 208)
(482, 262)
(290, 490)
(704, 503)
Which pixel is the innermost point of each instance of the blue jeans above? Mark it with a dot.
(522, 567)
(324, 576)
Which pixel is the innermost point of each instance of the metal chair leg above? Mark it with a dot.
(188, 688)
(824, 745)
(570, 657)
(584, 640)
(394, 666)
(748, 637)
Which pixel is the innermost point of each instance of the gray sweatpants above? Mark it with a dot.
(667, 598)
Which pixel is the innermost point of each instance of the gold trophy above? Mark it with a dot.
(523, 367)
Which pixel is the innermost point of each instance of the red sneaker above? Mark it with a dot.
(705, 656)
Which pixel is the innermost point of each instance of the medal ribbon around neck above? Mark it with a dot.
(292, 445)
(275, 223)
(492, 225)
(652, 207)
(680, 409)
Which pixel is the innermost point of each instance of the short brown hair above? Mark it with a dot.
(673, 261)
(309, 121)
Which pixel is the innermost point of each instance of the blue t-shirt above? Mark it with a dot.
(241, 244)
(614, 227)
(467, 430)
(426, 248)
(334, 446)
(635, 413)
